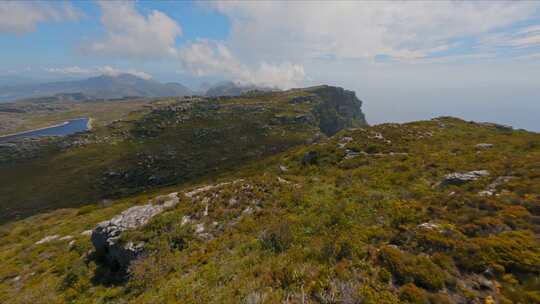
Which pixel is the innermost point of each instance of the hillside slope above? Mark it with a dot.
(168, 141)
(441, 211)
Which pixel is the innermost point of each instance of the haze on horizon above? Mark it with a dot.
(406, 61)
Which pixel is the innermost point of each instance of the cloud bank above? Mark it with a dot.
(133, 35)
(359, 30)
(23, 16)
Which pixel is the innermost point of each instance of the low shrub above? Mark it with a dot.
(411, 294)
(408, 268)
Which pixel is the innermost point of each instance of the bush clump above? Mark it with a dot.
(277, 238)
(516, 251)
(408, 268)
(409, 293)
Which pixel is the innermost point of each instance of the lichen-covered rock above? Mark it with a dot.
(462, 178)
(106, 235)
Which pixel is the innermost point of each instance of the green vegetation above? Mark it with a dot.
(373, 227)
(170, 141)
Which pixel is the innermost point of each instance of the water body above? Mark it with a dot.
(66, 128)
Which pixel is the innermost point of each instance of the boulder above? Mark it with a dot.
(462, 178)
(106, 235)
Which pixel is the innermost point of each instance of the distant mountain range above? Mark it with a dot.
(100, 87)
(113, 87)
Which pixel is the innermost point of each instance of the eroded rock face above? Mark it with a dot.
(106, 235)
(337, 109)
(462, 178)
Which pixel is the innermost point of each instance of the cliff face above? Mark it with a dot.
(338, 109)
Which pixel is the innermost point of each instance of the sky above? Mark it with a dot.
(478, 60)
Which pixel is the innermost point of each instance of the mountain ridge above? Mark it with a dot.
(98, 87)
(167, 141)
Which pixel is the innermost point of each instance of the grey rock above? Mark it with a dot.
(462, 178)
(168, 201)
(106, 235)
(192, 194)
(48, 239)
(350, 154)
(492, 188)
(282, 180)
(486, 193)
(429, 226)
(484, 146)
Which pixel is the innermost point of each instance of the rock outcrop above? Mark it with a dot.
(106, 236)
(462, 178)
(338, 109)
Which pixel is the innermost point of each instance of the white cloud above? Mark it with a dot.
(22, 16)
(204, 58)
(93, 71)
(358, 29)
(129, 33)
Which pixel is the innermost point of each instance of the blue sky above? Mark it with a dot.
(406, 60)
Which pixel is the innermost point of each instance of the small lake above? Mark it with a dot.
(66, 128)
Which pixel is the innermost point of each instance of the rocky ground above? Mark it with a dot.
(440, 211)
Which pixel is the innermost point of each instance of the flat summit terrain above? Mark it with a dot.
(278, 197)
